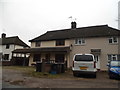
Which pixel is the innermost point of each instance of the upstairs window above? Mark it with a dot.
(37, 44)
(7, 46)
(113, 40)
(80, 41)
(60, 42)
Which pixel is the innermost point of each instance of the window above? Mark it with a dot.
(60, 42)
(7, 46)
(80, 41)
(83, 58)
(113, 40)
(47, 57)
(113, 57)
(6, 57)
(37, 57)
(37, 44)
(59, 58)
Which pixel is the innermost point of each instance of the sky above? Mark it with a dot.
(31, 18)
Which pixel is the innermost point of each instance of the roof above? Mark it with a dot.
(47, 49)
(13, 40)
(92, 31)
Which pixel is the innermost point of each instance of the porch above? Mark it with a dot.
(51, 55)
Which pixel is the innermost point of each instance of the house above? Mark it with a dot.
(9, 44)
(61, 45)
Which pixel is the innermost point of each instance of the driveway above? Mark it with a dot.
(19, 79)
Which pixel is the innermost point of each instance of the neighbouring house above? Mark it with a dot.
(61, 45)
(7, 45)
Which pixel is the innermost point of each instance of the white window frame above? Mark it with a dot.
(6, 59)
(113, 40)
(7, 46)
(78, 40)
(111, 56)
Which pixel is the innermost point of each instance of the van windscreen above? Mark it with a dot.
(83, 58)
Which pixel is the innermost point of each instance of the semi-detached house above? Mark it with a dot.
(62, 45)
(9, 44)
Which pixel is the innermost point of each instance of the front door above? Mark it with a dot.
(59, 58)
(97, 59)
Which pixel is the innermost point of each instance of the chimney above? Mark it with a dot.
(73, 25)
(3, 35)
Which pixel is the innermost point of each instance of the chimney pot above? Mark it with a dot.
(3, 35)
(73, 25)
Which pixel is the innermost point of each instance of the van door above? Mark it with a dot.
(84, 62)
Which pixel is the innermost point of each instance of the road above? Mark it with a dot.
(17, 78)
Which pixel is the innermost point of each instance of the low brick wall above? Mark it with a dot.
(6, 63)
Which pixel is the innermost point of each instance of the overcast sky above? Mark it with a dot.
(31, 18)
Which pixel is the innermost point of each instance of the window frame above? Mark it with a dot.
(111, 56)
(6, 57)
(60, 42)
(36, 57)
(112, 40)
(7, 46)
(37, 44)
(78, 40)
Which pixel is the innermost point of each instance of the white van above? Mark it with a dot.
(84, 64)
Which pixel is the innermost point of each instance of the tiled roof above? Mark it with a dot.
(92, 31)
(46, 49)
(13, 40)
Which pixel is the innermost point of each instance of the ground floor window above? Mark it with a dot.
(113, 57)
(47, 57)
(59, 58)
(6, 57)
(37, 57)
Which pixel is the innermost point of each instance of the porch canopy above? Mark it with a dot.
(45, 49)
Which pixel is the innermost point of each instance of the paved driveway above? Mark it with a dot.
(17, 78)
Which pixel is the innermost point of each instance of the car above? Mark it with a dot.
(114, 69)
(84, 64)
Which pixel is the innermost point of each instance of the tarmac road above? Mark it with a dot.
(8, 85)
(17, 79)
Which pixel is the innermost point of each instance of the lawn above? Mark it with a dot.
(20, 68)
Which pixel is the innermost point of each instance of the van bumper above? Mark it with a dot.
(85, 72)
